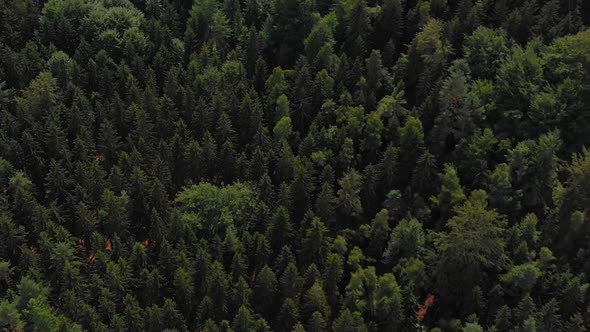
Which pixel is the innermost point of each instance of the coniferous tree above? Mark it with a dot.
(259, 165)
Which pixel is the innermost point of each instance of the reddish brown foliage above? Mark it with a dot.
(90, 260)
(149, 243)
(423, 310)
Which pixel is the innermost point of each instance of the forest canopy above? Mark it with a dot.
(294, 165)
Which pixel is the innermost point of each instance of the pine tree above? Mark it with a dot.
(290, 282)
(315, 243)
(314, 301)
(357, 29)
(406, 240)
(348, 321)
(451, 193)
(475, 242)
(348, 194)
(288, 315)
(265, 291)
(280, 229)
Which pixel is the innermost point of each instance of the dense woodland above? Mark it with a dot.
(294, 165)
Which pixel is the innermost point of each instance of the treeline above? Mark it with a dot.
(284, 165)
